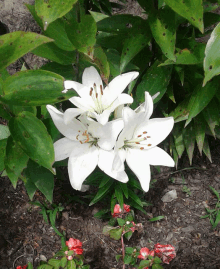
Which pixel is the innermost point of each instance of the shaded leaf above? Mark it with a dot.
(178, 138)
(4, 132)
(211, 115)
(206, 149)
(199, 129)
(189, 141)
(116, 233)
(3, 143)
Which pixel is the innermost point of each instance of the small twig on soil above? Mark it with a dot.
(17, 259)
(104, 242)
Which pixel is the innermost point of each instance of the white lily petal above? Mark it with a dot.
(82, 162)
(86, 104)
(158, 156)
(137, 160)
(157, 129)
(63, 148)
(107, 133)
(117, 86)
(91, 76)
(70, 130)
(148, 106)
(105, 164)
(70, 114)
(102, 118)
(119, 159)
(118, 112)
(122, 99)
(81, 89)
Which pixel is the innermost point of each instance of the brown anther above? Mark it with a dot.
(101, 90)
(90, 93)
(81, 142)
(77, 137)
(96, 95)
(139, 135)
(149, 145)
(79, 131)
(148, 136)
(137, 142)
(144, 132)
(141, 148)
(94, 85)
(145, 138)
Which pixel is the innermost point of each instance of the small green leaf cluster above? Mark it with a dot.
(213, 214)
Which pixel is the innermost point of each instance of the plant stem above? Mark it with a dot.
(123, 250)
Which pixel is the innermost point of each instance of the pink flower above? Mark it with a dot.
(144, 253)
(69, 258)
(166, 252)
(75, 245)
(118, 211)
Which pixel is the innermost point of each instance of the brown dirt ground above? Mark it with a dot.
(24, 236)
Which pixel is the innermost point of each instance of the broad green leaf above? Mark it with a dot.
(129, 250)
(132, 46)
(82, 34)
(211, 18)
(211, 115)
(181, 112)
(157, 266)
(212, 55)
(206, 150)
(63, 262)
(199, 129)
(121, 222)
(52, 52)
(66, 71)
(15, 45)
(155, 80)
(127, 259)
(163, 28)
(30, 266)
(42, 178)
(116, 233)
(4, 132)
(178, 138)
(71, 264)
(34, 88)
(111, 40)
(51, 10)
(55, 263)
(188, 56)
(118, 23)
(119, 196)
(191, 10)
(18, 109)
(32, 136)
(30, 187)
(15, 161)
(200, 98)
(189, 141)
(98, 16)
(52, 130)
(144, 263)
(3, 143)
(56, 31)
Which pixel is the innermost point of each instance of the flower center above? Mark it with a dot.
(96, 94)
(85, 137)
(141, 141)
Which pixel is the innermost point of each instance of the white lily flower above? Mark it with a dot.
(94, 99)
(137, 143)
(87, 144)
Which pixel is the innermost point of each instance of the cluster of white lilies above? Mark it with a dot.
(90, 139)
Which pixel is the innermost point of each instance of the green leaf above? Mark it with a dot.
(52, 52)
(65, 71)
(56, 31)
(217, 220)
(4, 132)
(156, 218)
(134, 197)
(71, 265)
(102, 192)
(31, 135)
(178, 139)
(155, 80)
(157, 266)
(82, 34)
(30, 188)
(3, 143)
(206, 150)
(199, 129)
(194, 55)
(121, 222)
(55, 263)
(98, 16)
(124, 188)
(200, 98)
(163, 28)
(215, 192)
(34, 88)
(63, 262)
(15, 45)
(30, 266)
(212, 55)
(144, 263)
(181, 112)
(127, 259)
(42, 178)
(3, 112)
(100, 60)
(191, 10)
(119, 196)
(116, 233)
(189, 141)
(128, 235)
(129, 250)
(117, 257)
(51, 10)
(15, 161)
(132, 46)
(211, 115)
